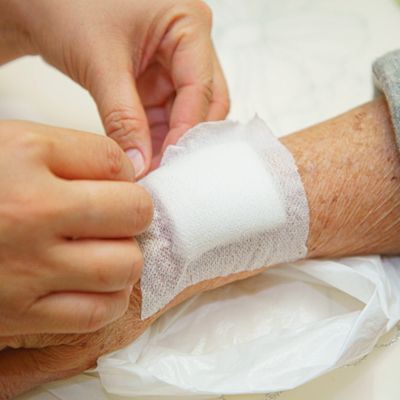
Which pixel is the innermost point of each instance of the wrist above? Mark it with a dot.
(15, 35)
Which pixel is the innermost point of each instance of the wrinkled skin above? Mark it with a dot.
(350, 169)
(45, 357)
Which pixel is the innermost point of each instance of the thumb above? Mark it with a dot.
(124, 119)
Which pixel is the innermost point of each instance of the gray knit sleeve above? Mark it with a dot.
(386, 70)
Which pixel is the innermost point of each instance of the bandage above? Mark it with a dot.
(227, 198)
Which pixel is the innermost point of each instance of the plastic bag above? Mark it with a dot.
(269, 333)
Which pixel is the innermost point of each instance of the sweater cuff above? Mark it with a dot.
(386, 72)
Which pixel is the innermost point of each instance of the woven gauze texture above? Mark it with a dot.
(227, 198)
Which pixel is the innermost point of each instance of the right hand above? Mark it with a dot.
(68, 213)
(150, 65)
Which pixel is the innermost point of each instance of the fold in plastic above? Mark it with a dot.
(269, 333)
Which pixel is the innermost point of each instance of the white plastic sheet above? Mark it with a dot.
(257, 42)
(269, 333)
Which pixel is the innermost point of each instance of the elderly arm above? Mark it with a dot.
(350, 168)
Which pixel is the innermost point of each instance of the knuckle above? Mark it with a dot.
(205, 12)
(103, 274)
(205, 90)
(123, 125)
(96, 318)
(42, 212)
(197, 10)
(225, 106)
(30, 211)
(137, 267)
(114, 158)
(143, 209)
(33, 144)
(123, 273)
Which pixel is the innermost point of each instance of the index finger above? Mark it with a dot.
(192, 75)
(220, 103)
(72, 154)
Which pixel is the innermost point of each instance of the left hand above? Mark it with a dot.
(149, 65)
(32, 360)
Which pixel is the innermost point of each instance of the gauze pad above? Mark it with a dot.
(218, 195)
(227, 198)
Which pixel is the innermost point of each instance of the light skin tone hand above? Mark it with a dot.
(153, 72)
(149, 65)
(69, 209)
(350, 169)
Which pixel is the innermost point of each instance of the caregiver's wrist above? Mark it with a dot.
(350, 168)
(15, 36)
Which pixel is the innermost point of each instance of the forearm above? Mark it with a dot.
(350, 168)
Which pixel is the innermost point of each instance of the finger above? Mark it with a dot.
(76, 312)
(104, 210)
(72, 154)
(155, 86)
(156, 89)
(159, 127)
(94, 265)
(159, 124)
(192, 74)
(114, 91)
(219, 106)
(155, 162)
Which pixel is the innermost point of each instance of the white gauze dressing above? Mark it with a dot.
(227, 198)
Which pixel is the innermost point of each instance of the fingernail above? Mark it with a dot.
(137, 159)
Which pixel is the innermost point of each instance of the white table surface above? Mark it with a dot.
(294, 62)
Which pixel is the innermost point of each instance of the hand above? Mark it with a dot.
(68, 212)
(330, 157)
(43, 358)
(33, 360)
(149, 65)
